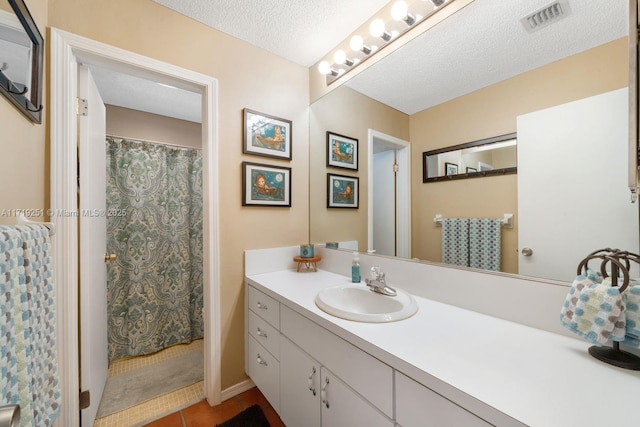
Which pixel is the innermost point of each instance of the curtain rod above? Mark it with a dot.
(154, 142)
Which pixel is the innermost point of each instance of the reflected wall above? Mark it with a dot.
(492, 111)
(345, 112)
(486, 113)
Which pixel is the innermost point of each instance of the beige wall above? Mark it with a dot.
(135, 124)
(490, 112)
(24, 169)
(247, 77)
(346, 112)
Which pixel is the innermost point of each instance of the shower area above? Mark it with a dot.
(154, 280)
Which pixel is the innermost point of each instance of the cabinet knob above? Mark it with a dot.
(261, 334)
(261, 361)
(310, 380)
(261, 306)
(527, 251)
(323, 392)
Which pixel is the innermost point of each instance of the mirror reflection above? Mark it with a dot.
(476, 159)
(562, 90)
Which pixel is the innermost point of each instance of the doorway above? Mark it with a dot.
(67, 51)
(389, 195)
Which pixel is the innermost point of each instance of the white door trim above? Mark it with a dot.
(403, 189)
(66, 51)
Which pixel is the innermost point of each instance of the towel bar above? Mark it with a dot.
(507, 220)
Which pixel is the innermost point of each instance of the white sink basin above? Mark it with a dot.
(357, 302)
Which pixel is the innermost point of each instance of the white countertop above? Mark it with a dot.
(536, 377)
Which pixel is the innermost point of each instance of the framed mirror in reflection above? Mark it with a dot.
(441, 91)
(21, 56)
(486, 157)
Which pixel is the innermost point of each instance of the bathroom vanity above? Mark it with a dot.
(443, 366)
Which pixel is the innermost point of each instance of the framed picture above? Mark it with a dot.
(342, 151)
(266, 135)
(450, 169)
(471, 170)
(342, 191)
(264, 185)
(483, 167)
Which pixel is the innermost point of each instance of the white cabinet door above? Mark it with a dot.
(299, 387)
(341, 406)
(417, 406)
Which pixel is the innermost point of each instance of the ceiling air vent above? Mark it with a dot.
(546, 16)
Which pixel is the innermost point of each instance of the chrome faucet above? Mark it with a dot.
(377, 283)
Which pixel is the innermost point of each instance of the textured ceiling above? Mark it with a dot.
(301, 31)
(483, 44)
(480, 45)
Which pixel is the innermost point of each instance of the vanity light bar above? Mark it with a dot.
(402, 20)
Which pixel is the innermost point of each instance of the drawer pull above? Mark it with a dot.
(310, 379)
(261, 306)
(261, 361)
(323, 392)
(260, 333)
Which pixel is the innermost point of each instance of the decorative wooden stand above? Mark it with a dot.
(309, 263)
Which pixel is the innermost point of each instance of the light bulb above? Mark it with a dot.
(324, 68)
(357, 44)
(341, 58)
(377, 30)
(399, 10)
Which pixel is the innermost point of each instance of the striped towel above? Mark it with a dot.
(27, 334)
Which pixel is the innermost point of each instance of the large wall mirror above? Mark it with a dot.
(21, 56)
(562, 88)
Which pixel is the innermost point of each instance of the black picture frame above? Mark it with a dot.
(27, 99)
(450, 169)
(342, 151)
(343, 191)
(266, 185)
(266, 135)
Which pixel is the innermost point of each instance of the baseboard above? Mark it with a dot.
(235, 390)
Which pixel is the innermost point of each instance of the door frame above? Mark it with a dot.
(403, 190)
(67, 50)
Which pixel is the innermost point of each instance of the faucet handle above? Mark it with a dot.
(375, 272)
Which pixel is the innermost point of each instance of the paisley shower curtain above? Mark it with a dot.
(154, 226)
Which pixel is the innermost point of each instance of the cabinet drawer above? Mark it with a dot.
(418, 406)
(264, 306)
(364, 373)
(265, 334)
(264, 370)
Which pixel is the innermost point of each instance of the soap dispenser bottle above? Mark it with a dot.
(355, 268)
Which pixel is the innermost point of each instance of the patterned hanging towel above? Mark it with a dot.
(455, 241)
(485, 243)
(632, 316)
(594, 311)
(27, 336)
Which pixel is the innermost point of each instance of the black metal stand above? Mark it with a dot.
(613, 355)
(616, 357)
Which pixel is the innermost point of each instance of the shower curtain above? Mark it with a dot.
(154, 226)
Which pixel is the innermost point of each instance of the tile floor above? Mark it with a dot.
(203, 415)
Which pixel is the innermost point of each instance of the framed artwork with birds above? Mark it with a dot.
(266, 135)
